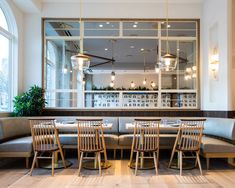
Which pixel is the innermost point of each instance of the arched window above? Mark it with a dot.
(7, 57)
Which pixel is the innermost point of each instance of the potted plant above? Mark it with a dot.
(30, 103)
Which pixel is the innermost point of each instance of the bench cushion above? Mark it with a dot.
(71, 139)
(220, 127)
(13, 127)
(166, 140)
(213, 145)
(24, 144)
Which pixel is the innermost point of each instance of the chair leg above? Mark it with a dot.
(158, 158)
(99, 163)
(181, 162)
(62, 157)
(199, 163)
(136, 162)
(207, 163)
(172, 155)
(33, 164)
(52, 163)
(80, 164)
(155, 162)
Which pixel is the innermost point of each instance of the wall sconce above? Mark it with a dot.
(214, 64)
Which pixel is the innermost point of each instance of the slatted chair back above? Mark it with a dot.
(90, 132)
(44, 134)
(190, 134)
(146, 134)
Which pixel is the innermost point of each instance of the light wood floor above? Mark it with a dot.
(14, 175)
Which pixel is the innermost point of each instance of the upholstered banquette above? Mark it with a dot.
(15, 140)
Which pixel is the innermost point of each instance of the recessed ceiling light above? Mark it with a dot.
(100, 25)
(106, 49)
(132, 47)
(135, 22)
(107, 22)
(162, 22)
(168, 25)
(178, 49)
(142, 49)
(134, 26)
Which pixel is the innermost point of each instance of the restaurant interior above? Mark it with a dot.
(117, 93)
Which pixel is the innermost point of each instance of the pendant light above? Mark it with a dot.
(168, 60)
(80, 61)
(132, 84)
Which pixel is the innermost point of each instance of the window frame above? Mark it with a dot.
(11, 34)
(121, 36)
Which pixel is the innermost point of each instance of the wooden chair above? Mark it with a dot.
(45, 141)
(188, 140)
(90, 140)
(146, 139)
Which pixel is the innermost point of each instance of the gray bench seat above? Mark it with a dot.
(214, 145)
(70, 140)
(23, 144)
(166, 140)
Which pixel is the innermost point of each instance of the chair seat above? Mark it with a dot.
(145, 150)
(188, 149)
(90, 151)
(47, 147)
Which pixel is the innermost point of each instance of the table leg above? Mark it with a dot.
(142, 160)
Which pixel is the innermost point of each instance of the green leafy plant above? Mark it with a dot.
(30, 103)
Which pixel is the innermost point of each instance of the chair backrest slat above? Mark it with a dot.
(90, 132)
(190, 134)
(146, 134)
(44, 133)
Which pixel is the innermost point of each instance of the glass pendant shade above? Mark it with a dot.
(169, 62)
(80, 61)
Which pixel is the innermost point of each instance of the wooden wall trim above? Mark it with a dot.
(156, 113)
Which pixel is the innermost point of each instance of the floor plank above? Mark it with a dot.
(119, 175)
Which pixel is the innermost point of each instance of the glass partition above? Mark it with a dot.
(130, 49)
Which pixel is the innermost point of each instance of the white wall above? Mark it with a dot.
(214, 93)
(122, 10)
(32, 51)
